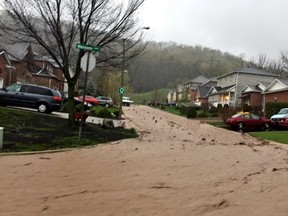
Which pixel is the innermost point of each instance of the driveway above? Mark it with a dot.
(177, 166)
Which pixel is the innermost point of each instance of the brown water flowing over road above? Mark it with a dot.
(177, 167)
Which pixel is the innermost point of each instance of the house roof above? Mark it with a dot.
(17, 51)
(219, 89)
(45, 72)
(199, 79)
(46, 59)
(6, 57)
(277, 85)
(248, 70)
(212, 80)
(251, 88)
(203, 91)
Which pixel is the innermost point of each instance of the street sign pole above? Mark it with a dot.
(83, 98)
(86, 58)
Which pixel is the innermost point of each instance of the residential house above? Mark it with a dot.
(252, 94)
(170, 96)
(277, 91)
(7, 72)
(32, 68)
(201, 95)
(230, 85)
(47, 73)
(20, 56)
(192, 85)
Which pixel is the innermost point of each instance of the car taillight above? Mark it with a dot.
(57, 98)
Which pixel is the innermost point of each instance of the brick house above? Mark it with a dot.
(47, 73)
(7, 72)
(277, 91)
(33, 68)
(191, 87)
(252, 94)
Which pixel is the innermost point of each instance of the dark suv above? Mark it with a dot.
(44, 99)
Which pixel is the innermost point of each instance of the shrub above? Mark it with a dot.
(191, 112)
(219, 107)
(78, 107)
(184, 110)
(246, 108)
(104, 113)
(213, 109)
(202, 115)
(116, 113)
(213, 114)
(274, 107)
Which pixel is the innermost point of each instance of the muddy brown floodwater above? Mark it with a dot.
(177, 167)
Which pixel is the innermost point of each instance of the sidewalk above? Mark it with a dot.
(92, 119)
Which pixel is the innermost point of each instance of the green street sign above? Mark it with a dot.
(121, 90)
(87, 47)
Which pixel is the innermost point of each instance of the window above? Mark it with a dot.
(13, 88)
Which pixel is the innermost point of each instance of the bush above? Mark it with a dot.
(104, 113)
(78, 107)
(184, 110)
(213, 109)
(273, 108)
(191, 112)
(213, 114)
(116, 113)
(246, 108)
(202, 115)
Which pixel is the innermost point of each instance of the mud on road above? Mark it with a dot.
(177, 166)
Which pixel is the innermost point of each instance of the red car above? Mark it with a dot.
(247, 120)
(90, 99)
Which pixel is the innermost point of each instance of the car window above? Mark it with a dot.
(13, 88)
(246, 116)
(283, 111)
(255, 116)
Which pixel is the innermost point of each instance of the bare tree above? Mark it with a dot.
(57, 25)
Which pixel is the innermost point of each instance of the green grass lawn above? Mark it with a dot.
(159, 95)
(277, 136)
(32, 131)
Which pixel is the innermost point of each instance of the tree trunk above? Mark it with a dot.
(71, 104)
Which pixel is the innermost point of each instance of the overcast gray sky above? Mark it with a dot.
(248, 27)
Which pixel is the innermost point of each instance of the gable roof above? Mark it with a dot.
(17, 51)
(3, 53)
(210, 82)
(203, 91)
(199, 80)
(277, 85)
(251, 88)
(249, 70)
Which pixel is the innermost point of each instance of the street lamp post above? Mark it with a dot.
(122, 80)
(122, 76)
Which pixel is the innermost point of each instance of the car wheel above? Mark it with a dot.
(240, 126)
(43, 108)
(266, 126)
(107, 105)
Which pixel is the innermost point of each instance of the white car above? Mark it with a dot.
(126, 101)
(281, 118)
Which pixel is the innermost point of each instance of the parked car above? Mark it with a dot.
(246, 120)
(105, 101)
(77, 101)
(126, 101)
(90, 99)
(281, 118)
(44, 99)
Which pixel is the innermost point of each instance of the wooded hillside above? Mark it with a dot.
(164, 65)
